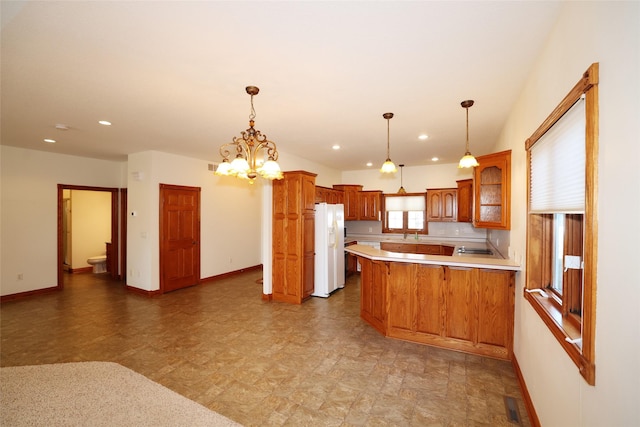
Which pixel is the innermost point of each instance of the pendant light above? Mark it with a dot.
(388, 166)
(401, 190)
(467, 161)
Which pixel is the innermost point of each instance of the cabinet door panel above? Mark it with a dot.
(465, 200)
(492, 188)
(460, 313)
(429, 311)
(401, 292)
(495, 316)
(428, 249)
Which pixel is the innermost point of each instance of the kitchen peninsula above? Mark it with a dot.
(463, 301)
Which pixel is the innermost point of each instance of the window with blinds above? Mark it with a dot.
(557, 165)
(562, 236)
(405, 213)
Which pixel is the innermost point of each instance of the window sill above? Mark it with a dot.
(563, 330)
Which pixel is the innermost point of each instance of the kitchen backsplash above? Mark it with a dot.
(436, 229)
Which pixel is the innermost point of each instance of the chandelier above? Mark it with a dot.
(467, 161)
(250, 150)
(388, 166)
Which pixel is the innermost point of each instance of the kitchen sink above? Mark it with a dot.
(478, 251)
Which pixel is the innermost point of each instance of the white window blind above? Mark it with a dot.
(404, 203)
(558, 165)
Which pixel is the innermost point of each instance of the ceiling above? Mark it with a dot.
(171, 76)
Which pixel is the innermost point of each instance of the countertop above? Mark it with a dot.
(495, 262)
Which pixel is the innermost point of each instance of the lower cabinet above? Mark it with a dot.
(465, 309)
(373, 292)
(417, 248)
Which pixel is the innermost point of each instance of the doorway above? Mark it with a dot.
(179, 237)
(115, 250)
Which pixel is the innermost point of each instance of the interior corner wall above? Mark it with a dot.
(587, 32)
(29, 210)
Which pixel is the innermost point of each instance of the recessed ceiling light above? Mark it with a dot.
(434, 159)
(369, 164)
(104, 122)
(336, 147)
(423, 137)
(50, 141)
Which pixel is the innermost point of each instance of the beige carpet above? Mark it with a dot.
(94, 394)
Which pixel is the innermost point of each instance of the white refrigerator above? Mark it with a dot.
(329, 248)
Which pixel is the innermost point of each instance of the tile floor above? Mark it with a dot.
(261, 363)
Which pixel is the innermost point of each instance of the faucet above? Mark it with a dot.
(404, 236)
(416, 235)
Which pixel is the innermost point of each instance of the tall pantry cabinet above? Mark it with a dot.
(293, 237)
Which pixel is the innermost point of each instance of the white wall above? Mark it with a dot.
(608, 33)
(90, 225)
(29, 228)
(230, 221)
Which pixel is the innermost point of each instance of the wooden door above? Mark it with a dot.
(179, 237)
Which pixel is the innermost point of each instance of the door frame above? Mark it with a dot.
(115, 240)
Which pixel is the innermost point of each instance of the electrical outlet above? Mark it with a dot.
(370, 229)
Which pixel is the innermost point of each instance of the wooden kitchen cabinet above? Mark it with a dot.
(417, 248)
(442, 204)
(418, 305)
(460, 317)
(293, 237)
(465, 200)
(352, 260)
(351, 200)
(369, 205)
(460, 308)
(373, 293)
(328, 195)
(492, 198)
(403, 248)
(496, 302)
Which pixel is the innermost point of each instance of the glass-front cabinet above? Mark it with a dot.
(492, 186)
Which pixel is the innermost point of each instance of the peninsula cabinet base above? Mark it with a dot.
(459, 308)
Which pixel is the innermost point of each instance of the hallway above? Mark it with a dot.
(260, 363)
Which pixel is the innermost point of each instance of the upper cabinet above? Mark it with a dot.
(369, 205)
(465, 200)
(350, 198)
(328, 195)
(442, 204)
(492, 198)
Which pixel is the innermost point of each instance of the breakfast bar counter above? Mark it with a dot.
(460, 302)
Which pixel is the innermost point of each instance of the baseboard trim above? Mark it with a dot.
(230, 274)
(142, 292)
(27, 294)
(81, 270)
(526, 397)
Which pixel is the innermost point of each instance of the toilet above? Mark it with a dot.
(99, 263)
